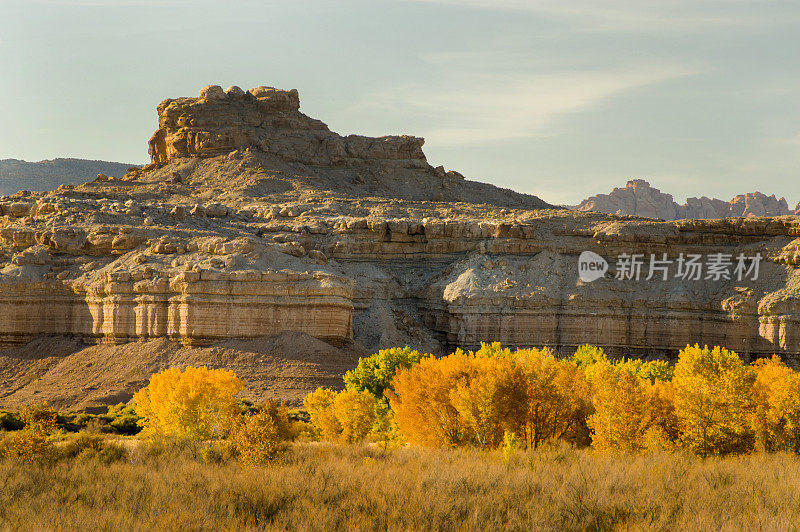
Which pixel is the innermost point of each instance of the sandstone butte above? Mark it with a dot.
(260, 240)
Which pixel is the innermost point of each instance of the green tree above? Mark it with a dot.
(374, 374)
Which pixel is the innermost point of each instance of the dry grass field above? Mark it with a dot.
(320, 486)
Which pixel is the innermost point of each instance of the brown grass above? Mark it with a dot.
(326, 487)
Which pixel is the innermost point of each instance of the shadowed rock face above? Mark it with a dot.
(218, 122)
(254, 219)
(638, 198)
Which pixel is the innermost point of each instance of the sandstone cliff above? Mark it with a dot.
(638, 198)
(254, 220)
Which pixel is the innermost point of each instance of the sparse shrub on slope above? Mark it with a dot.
(196, 404)
(713, 390)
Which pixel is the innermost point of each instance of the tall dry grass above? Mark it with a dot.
(326, 487)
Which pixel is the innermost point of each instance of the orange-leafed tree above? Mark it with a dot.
(422, 401)
(556, 398)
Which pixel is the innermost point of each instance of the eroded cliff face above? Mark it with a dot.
(638, 198)
(255, 219)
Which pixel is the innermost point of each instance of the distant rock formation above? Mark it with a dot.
(16, 175)
(640, 199)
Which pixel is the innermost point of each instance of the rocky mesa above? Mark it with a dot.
(254, 221)
(638, 198)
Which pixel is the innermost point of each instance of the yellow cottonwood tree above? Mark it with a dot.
(556, 397)
(422, 402)
(712, 400)
(776, 406)
(480, 399)
(355, 412)
(195, 404)
(319, 405)
(619, 420)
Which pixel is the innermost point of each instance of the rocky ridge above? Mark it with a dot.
(248, 224)
(638, 198)
(18, 175)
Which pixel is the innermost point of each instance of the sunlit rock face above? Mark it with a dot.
(218, 122)
(254, 219)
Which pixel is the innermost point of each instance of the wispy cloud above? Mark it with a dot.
(646, 15)
(479, 108)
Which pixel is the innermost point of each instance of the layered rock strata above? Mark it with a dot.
(235, 231)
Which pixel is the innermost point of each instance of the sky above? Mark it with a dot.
(559, 98)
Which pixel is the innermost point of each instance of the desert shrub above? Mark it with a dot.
(260, 438)
(93, 447)
(32, 443)
(123, 419)
(10, 421)
(775, 418)
(196, 404)
(712, 400)
(374, 374)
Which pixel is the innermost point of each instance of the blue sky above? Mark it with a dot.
(562, 99)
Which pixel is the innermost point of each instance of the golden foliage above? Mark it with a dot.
(355, 412)
(319, 405)
(776, 406)
(259, 438)
(32, 443)
(712, 400)
(196, 404)
(631, 412)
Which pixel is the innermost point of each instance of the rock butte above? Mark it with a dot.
(640, 199)
(254, 219)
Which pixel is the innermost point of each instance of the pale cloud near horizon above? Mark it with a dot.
(484, 108)
(641, 15)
